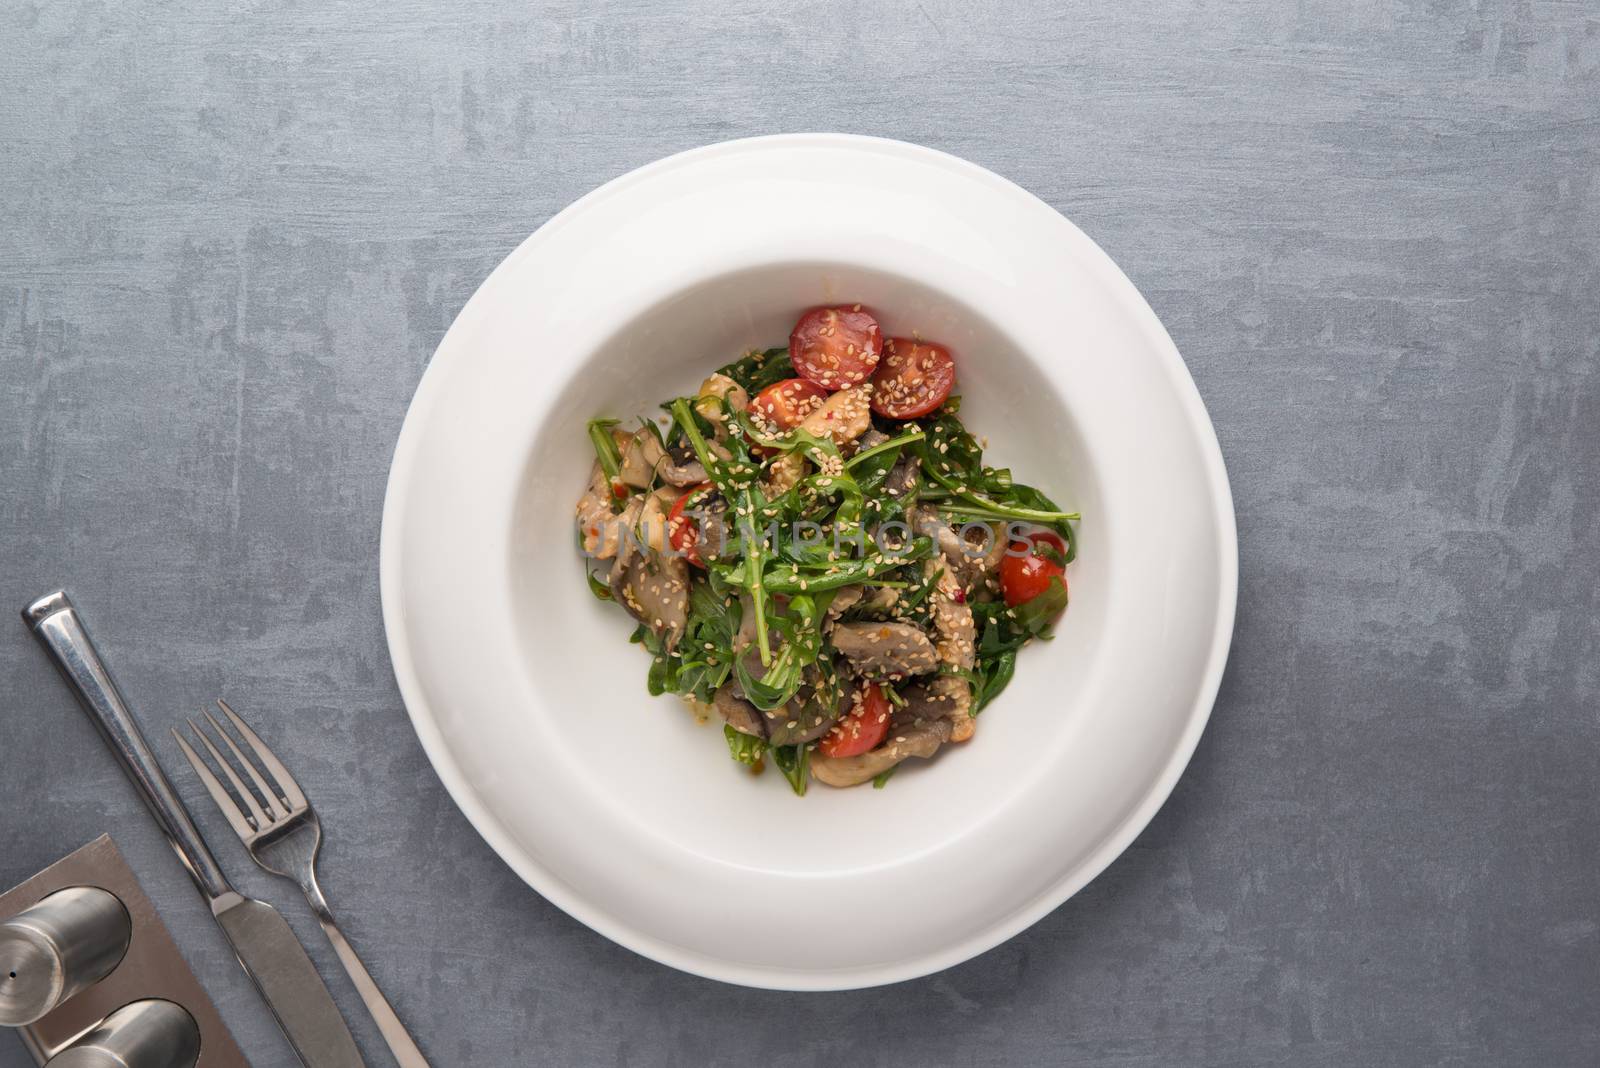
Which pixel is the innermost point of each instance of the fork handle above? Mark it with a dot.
(55, 623)
(394, 1032)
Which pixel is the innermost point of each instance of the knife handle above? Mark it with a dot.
(56, 624)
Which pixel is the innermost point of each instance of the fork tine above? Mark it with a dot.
(291, 789)
(219, 793)
(276, 809)
(248, 800)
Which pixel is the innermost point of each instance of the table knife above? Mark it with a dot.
(261, 938)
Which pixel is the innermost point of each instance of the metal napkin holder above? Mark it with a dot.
(151, 968)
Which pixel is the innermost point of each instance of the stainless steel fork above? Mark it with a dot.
(281, 830)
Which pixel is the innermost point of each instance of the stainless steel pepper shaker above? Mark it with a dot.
(145, 1034)
(63, 944)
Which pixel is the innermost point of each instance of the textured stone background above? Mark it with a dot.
(233, 232)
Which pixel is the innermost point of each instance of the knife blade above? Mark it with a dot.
(288, 981)
(266, 946)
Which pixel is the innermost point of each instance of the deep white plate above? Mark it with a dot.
(619, 807)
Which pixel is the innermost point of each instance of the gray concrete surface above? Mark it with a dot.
(231, 234)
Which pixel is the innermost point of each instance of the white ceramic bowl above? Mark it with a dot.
(617, 806)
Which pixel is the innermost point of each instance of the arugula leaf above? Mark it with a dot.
(800, 579)
(745, 748)
(994, 675)
(605, 449)
(705, 656)
(919, 593)
(952, 458)
(663, 675)
(605, 446)
(769, 696)
(756, 371)
(736, 480)
(893, 445)
(795, 763)
(800, 628)
(1035, 616)
(1048, 551)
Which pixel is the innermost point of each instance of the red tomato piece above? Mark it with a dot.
(860, 729)
(836, 347)
(683, 532)
(786, 404)
(913, 378)
(1024, 577)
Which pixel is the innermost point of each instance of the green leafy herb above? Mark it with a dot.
(893, 445)
(994, 674)
(799, 579)
(1036, 615)
(794, 761)
(757, 612)
(745, 748)
(756, 371)
(952, 458)
(605, 447)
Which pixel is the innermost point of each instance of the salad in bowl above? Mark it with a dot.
(816, 552)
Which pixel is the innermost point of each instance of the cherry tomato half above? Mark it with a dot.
(862, 728)
(913, 378)
(683, 532)
(1022, 578)
(836, 347)
(786, 404)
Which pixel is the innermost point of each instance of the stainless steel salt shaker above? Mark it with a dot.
(51, 951)
(145, 1034)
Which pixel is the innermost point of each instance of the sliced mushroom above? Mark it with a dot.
(681, 470)
(594, 511)
(872, 438)
(640, 458)
(655, 591)
(815, 709)
(713, 534)
(783, 473)
(844, 599)
(974, 561)
(954, 631)
(892, 649)
(653, 516)
(956, 645)
(940, 697)
(715, 391)
(863, 600)
(844, 416)
(880, 600)
(644, 460)
(921, 740)
(902, 477)
(804, 719)
(604, 531)
(687, 473)
(740, 714)
(800, 721)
